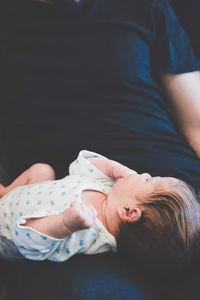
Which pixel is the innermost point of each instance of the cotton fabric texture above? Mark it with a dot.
(18, 241)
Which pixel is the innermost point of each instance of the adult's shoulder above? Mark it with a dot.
(188, 11)
(162, 6)
(163, 13)
(153, 8)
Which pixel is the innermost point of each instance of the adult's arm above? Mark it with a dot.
(184, 92)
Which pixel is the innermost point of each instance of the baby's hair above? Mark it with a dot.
(167, 236)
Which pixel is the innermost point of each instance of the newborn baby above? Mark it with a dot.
(100, 206)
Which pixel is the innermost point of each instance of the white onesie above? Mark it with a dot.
(50, 198)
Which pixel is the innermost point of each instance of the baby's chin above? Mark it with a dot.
(116, 183)
(115, 190)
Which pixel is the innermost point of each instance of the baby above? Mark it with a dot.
(100, 206)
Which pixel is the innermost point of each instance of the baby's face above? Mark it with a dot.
(128, 188)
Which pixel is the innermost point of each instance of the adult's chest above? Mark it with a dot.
(75, 58)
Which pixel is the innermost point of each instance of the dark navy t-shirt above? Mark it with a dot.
(188, 11)
(89, 79)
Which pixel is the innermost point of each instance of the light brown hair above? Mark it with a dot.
(167, 236)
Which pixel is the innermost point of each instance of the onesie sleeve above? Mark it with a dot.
(172, 52)
(35, 245)
(81, 166)
(31, 243)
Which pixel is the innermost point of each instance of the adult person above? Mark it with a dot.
(78, 76)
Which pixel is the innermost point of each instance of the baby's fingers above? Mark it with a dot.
(123, 171)
(82, 208)
(90, 214)
(83, 215)
(130, 172)
(90, 208)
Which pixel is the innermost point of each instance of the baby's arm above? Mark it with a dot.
(36, 173)
(77, 217)
(111, 168)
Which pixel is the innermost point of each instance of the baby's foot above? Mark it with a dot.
(2, 190)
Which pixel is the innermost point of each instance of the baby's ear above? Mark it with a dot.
(129, 214)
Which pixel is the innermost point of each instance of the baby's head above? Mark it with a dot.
(161, 229)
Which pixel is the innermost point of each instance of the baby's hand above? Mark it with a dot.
(79, 216)
(120, 171)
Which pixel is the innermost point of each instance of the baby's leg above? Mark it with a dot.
(36, 173)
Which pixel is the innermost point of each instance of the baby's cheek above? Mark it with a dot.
(140, 193)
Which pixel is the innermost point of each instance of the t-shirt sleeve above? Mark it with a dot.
(188, 12)
(172, 52)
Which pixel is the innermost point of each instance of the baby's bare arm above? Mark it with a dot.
(36, 173)
(111, 168)
(77, 217)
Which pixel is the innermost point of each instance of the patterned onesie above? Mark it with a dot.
(50, 198)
